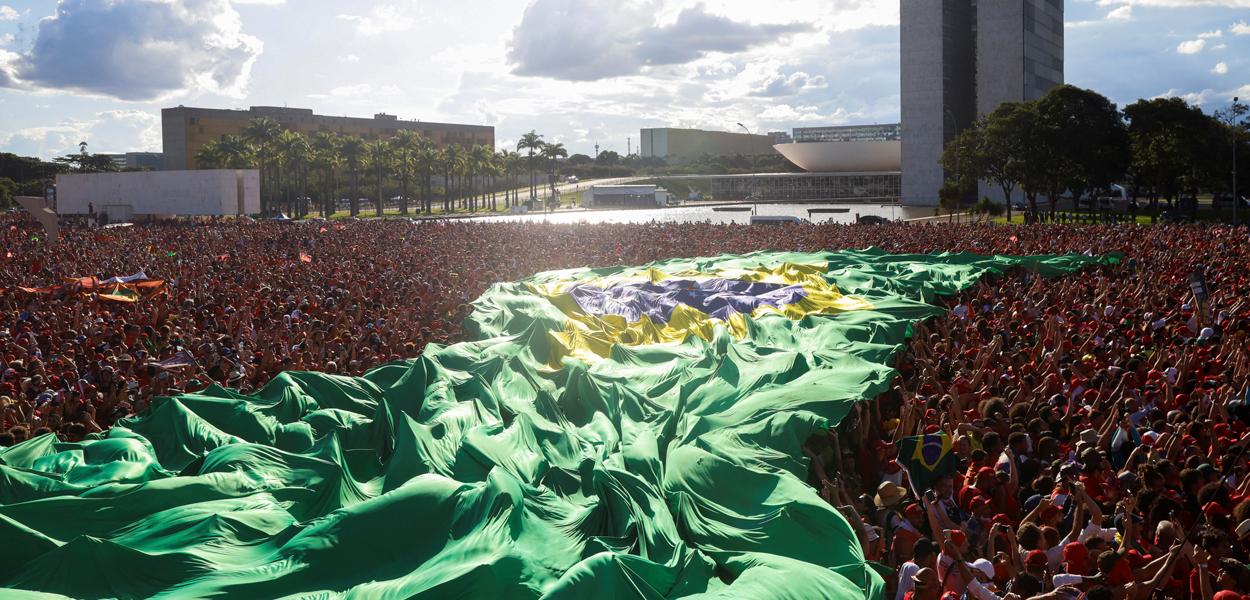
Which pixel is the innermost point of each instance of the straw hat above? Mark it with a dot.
(889, 494)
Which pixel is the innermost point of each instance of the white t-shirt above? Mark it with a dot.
(977, 590)
(905, 584)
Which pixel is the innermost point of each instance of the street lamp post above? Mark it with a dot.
(1236, 200)
(751, 195)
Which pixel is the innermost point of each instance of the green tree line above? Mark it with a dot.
(29, 176)
(301, 174)
(1077, 142)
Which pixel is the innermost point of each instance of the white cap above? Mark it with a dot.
(1206, 333)
(984, 566)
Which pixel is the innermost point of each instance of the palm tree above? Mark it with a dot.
(378, 154)
(513, 166)
(498, 166)
(326, 155)
(552, 152)
(352, 149)
(236, 153)
(452, 159)
(295, 154)
(427, 159)
(406, 145)
(481, 158)
(209, 156)
(262, 133)
(532, 142)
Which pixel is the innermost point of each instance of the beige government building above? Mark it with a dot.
(184, 130)
(688, 145)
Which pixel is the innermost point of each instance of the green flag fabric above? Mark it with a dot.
(608, 433)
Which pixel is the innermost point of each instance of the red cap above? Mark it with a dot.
(957, 536)
(1036, 558)
(1001, 519)
(1076, 557)
(914, 510)
(1213, 510)
(986, 472)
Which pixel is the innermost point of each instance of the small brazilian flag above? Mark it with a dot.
(926, 458)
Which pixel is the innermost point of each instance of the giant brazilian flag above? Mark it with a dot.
(607, 433)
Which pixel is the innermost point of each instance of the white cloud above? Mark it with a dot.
(7, 13)
(1240, 28)
(110, 131)
(1124, 13)
(1220, 69)
(361, 92)
(1191, 46)
(614, 38)
(6, 39)
(151, 49)
(1211, 34)
(383, 18)
(1179, 3)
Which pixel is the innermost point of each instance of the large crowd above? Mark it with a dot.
(1097, 423)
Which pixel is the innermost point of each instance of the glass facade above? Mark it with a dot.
(850, 187)
(849, 133)
(1043, 46)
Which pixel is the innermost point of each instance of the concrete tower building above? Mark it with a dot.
(962, 59)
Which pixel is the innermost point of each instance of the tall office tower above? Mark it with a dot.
(961, 59)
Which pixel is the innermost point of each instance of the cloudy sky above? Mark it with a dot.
(578, 71)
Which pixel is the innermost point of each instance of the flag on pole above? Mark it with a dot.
(927, 458)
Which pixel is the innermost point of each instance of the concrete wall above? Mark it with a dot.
(685, 145)
(843, 157)
(922, 100)
(184, 130)
(1019, 58)
(962, 59)
(183, 193)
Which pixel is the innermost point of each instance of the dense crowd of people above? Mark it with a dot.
(1097, 423)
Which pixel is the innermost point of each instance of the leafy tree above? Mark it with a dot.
(963, 161)
(577, 160)
(1172, 148)
(8, 189)
(1088, 133)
